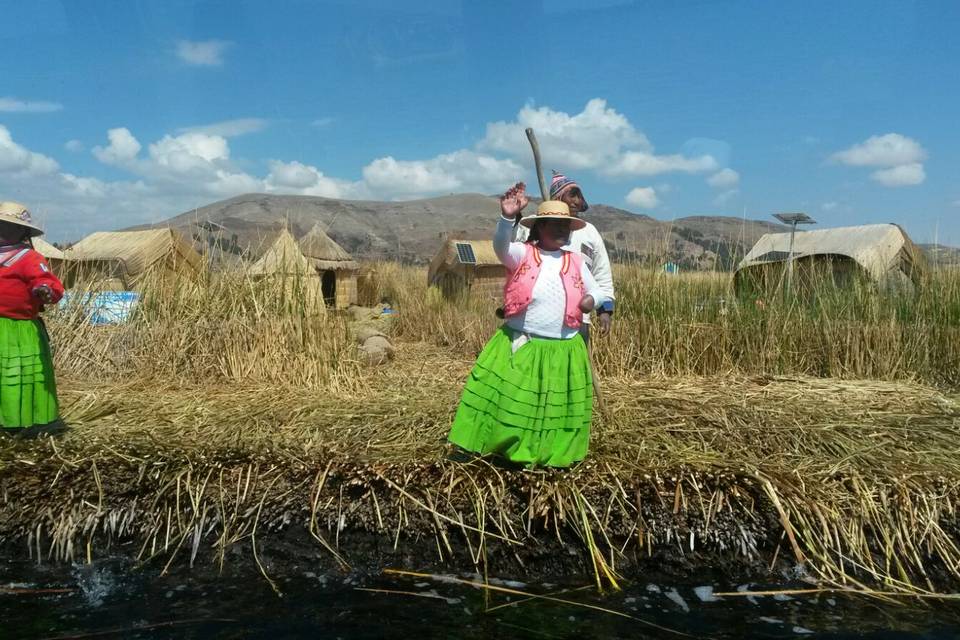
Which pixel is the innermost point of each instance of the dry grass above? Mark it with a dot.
(857, 480)
(694, 324)
(230, 410)
(226, 328)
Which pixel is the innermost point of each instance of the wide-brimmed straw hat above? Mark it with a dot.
(554, 210)
(16, 213)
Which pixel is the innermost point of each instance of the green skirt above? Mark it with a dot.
(532, 407)
(28, 391)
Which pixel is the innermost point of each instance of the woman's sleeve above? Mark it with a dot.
(590, 286)
(510, 253)
(37, 273)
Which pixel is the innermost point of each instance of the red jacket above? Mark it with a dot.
(22, 271)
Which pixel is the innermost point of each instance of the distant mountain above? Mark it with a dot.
(941, 255)
(412, 231)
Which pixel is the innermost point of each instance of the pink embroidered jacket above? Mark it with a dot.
(518, 290)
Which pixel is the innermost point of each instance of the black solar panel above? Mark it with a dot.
(465, 253)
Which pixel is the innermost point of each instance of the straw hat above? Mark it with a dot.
(16, 213)
(554, 210)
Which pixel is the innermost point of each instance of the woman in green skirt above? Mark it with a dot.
(529, 397)
(28, 391)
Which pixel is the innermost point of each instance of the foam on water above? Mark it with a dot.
(705, 593)
(674, 596)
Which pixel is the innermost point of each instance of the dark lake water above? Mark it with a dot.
(114, 599)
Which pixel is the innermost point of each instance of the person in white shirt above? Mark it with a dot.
(586, 241)
(529, 397)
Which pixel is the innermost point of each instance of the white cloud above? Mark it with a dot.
(641, 163)
(460, 171)
(906, 175)
(18, 160)
(73, 145)
(189, 151)
(956, 203)
(586, 140)
(295, 175)
(302, 179)
(15, 105)
(84, 187)
(829, 206)
(205, 53)
(901, 158)
(598, 138)
(190, 163)
(724, 178)
(229, 128)
(643, 197)
(888, 150)
(123, 147)
(322, 122)
(725, 197)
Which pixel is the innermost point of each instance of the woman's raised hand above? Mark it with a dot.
(514, 200)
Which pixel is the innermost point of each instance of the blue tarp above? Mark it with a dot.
(105, 307)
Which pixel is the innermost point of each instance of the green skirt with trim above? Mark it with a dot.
(532, 407)
(28, 390)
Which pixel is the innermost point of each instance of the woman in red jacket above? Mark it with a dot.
(28, 391)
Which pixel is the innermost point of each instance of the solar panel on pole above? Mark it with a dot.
(793, 219)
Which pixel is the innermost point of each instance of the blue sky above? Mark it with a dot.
(117, 113)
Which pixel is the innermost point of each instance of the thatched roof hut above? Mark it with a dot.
(119, 260)
(46, 249)
(878, 253)
(337, 268)
(288, 273)
(283, 257)
(460, 265)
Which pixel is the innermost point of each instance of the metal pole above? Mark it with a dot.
(793, 230)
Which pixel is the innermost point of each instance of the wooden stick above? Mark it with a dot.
(536, 160)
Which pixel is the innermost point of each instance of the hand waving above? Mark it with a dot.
(514, 200)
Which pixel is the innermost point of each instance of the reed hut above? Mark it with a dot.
(282, 258)
(879, 254)
(120, 260)
(466, 265)
(285, 269)
(336, 268)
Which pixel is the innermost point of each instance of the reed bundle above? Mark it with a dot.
(856, 481)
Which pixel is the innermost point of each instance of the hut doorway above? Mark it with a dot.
(329, 287)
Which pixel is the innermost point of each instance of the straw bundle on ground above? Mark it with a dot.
(856, 481)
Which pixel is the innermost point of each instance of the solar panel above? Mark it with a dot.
(465, 253)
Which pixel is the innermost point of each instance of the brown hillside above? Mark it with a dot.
(411, 231)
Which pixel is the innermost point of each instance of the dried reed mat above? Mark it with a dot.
(858, 481)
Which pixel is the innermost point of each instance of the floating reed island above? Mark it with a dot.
(225, 423)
